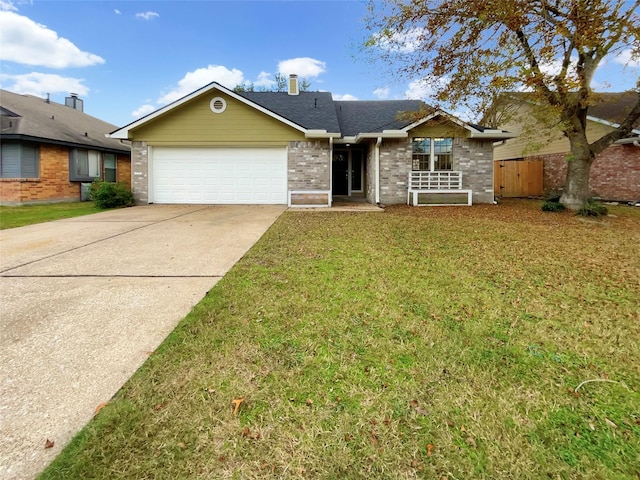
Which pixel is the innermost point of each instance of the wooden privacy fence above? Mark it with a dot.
(518, 178)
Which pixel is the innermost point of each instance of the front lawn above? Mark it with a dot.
(11, 217)
(438, 343)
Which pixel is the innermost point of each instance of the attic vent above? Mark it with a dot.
(218, 105)
(294, 88)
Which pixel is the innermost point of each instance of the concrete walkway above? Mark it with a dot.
(84, 301)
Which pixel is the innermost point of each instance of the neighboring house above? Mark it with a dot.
(303, 148)
(615, 174)
(49, 150)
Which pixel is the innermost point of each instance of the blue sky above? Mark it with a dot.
(128, 58)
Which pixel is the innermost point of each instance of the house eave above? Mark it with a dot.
(321, 134)
(384, 134)
(493, 135)
(629, 141)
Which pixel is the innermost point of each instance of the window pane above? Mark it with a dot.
(10, 160)
(109, 160)
(356, 170)
(94, 164)
(421, 148)
(29, 161)
(82, 163)
(442, 149)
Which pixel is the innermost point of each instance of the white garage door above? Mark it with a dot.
(219, 175)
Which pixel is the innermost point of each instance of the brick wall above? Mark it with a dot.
(308, 165)
(53, 184)
(472, 157)
(615, 174)
(123, 169)
(140, 172)
(395, 165)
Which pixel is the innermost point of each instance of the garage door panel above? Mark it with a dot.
(219, 175)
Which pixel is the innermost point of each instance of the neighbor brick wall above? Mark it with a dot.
(123, 169)
(615, 174)
(308, 165)
(53, 184)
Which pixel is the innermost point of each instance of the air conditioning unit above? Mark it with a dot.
(85, 192)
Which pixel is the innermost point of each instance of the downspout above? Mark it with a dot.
(330, 171)
(376, 156)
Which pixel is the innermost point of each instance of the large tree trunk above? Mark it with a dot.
(576, 188)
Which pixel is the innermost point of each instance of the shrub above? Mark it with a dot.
(111, 195)
(553, 206)
(591, 208)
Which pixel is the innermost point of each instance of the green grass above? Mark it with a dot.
(414, 343)
(11, 217)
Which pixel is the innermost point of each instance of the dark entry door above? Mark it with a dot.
(340, 175)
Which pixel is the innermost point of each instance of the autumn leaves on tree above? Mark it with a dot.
(470, 52)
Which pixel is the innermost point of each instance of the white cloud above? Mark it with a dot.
(265, 80)
(7, 6)
(304, 67)
(401, 42)
(147, 15)
(201, 77)
(627, 59)
(42, 83)
(143, 110)
(382, 93)
(27, 42)
(425, 88)
(117, 12)
(346, 96)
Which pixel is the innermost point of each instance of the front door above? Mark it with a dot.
(340, 175)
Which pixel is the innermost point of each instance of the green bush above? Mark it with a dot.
(111, 195)
(553, 206)
(591, 208)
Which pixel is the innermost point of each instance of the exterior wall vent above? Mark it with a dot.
(74, 102)
(294, 88)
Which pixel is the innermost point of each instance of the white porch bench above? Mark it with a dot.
(424, 182)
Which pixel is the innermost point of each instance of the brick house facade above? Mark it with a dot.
(614, 175)
(48, 150)
(53, 184)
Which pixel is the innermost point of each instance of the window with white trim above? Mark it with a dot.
(432, 154)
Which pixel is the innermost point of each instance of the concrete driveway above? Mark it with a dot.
(84, 301)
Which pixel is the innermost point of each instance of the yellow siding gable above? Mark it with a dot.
(538, 139)
(194, 124)
(439, 130)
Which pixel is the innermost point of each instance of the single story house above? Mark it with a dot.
(615, 173)
(50, 150)
(218, 146)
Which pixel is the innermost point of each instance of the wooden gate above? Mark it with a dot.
(518, 178)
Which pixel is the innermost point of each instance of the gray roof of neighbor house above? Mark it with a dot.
(614, 107)
(311, 110)
(27, 117)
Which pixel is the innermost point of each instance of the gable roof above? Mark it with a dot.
(27, 117)
(311, 110)
(317, 115)
(371, 116)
